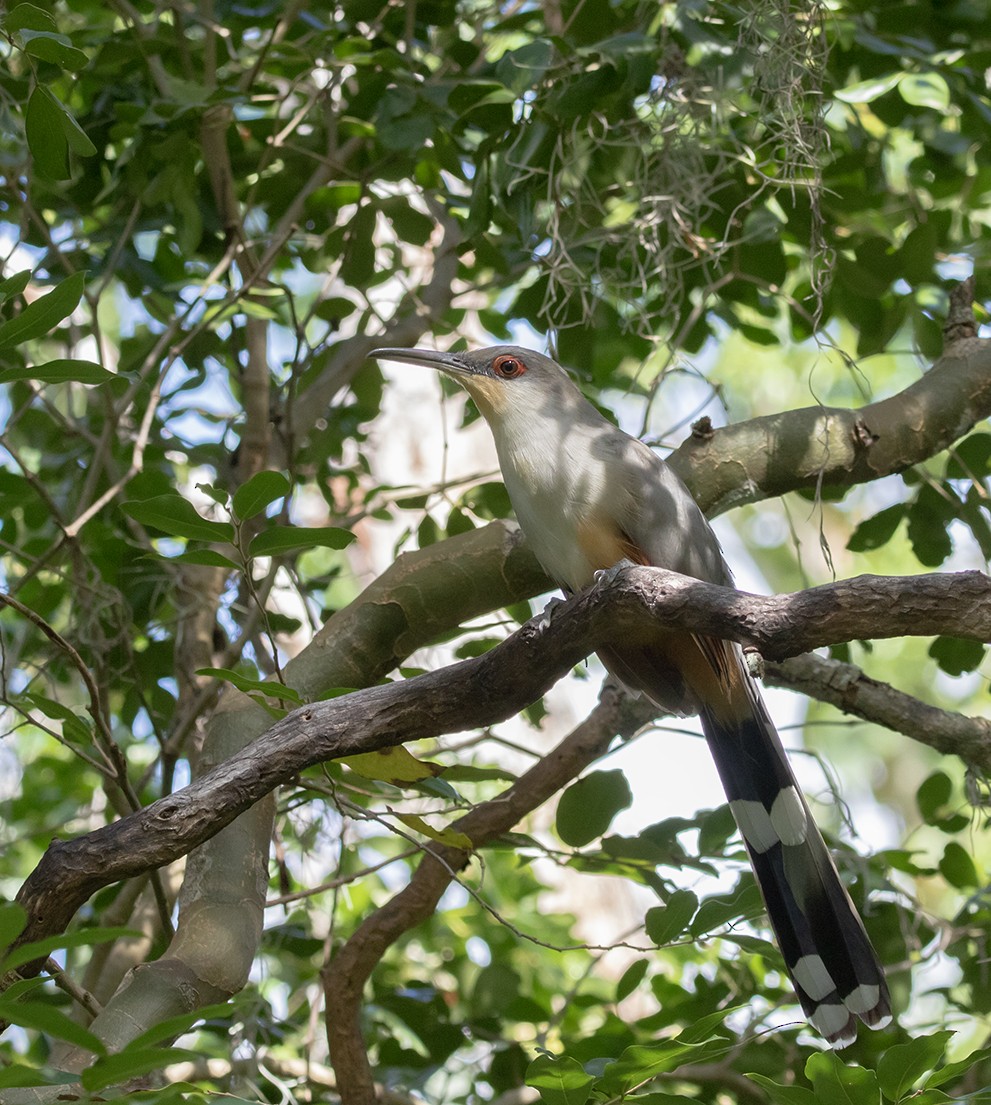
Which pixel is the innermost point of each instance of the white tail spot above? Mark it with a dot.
(835, 1023)
(810, 973)
(789, 818)
(755, 824)
(863, 999)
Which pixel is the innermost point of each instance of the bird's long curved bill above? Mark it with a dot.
(445, 362)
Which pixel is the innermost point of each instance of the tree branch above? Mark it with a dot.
(865, 607)
(837, 446)
(848, 689)
(487, 689)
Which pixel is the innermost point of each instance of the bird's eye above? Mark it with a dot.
(507, 367)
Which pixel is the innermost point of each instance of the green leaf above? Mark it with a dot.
(902, 1065)
(78, 139)
(175, 515)
(933, 795)
(970, 458)
(665, 923)
(132, 1062)
(172, 1027)
(218, 494)
(254, 496)
(917, 254)
(451, 837)
(953, 1071)
(46, 1018)
(74, 728)
(929, 518)
(334, 309)
(864, 92)
(46, 134)
(561, 1081)
(478, 646)
(704, 1028)
(586, 809)
(467, 773)
(269, 687)
(631, 978)
(12, 922)
(60, 372)
(521, 68)
(784, 1095)
(50, 707)
(392, 765)
(834, 1083)
(720, 909)
(925, 90)
(24, 987)
(17, 1074)
(283, 539)
(28, 17)
(14, 284)
(53, 47)
(437, 788)
(468, 93)
(81, 938)
(488, 500)
(958, 868)
(716, 828)
(956, 655)
(358, 263)
(641, 1062)
(52, 131)
(43, 315)
(874, 532)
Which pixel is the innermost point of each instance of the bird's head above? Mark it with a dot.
(501, 379)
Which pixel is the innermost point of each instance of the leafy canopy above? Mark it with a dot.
(210, 214)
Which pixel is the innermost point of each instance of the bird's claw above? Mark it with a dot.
(543, 619)
(607, 575)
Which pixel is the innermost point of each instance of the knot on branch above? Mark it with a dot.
(960, 322)
(863, 436)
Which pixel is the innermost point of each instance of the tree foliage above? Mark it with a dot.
(210, 214)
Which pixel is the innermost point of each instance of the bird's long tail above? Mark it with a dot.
(828, 954)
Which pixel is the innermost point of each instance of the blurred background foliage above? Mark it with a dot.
(210, 213)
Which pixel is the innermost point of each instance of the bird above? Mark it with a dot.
(590, 497)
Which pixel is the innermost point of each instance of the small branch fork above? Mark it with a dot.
(487, 689)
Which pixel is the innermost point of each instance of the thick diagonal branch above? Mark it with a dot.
(490, 688)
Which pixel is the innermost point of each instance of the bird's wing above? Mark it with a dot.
(665, 523)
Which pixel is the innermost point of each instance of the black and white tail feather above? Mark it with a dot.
(828, 954)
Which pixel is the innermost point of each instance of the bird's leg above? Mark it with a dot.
(606, 576)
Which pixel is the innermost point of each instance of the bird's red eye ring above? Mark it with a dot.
(508, 367)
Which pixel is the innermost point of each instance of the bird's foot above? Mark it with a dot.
(543, 619)
(754, 662)
(607, 575)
